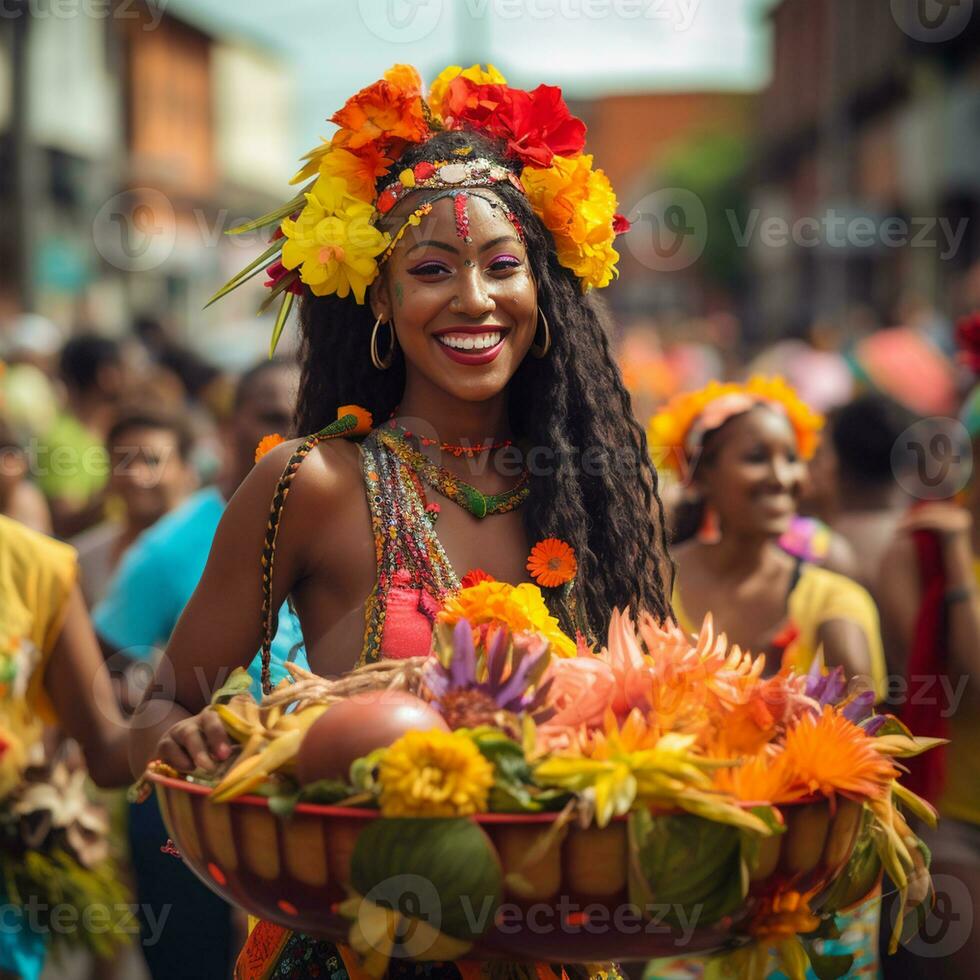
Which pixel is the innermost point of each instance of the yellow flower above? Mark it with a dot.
(520, 608)
(434, 774)
(333, 242)
(475, 73)
(577, 205)
(632, 764)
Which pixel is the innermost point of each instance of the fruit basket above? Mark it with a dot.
(574, 904)
(515, 796)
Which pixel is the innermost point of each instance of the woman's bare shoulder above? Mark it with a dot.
(324, 483)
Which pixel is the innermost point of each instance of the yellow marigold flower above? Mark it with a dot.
(475, 73)
(267, 443)
(520, 608)
(434, 774)
(333, 242)
(577, 205)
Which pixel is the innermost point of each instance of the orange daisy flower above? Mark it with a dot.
(364, 420)
(266, 444)
(828, 754)
(552, 562)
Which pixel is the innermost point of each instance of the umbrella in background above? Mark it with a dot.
(905, 365)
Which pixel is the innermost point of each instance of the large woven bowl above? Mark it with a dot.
(294, 872)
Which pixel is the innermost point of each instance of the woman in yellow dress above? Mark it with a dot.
(51, 673)
(741, 451)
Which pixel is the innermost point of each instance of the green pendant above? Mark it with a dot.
(476, 502)
(473, 501)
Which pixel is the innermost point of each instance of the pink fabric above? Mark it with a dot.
(409, 617)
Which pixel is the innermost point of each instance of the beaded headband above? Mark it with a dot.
(677, 432)
(325, 240)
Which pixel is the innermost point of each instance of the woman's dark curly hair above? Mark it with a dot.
(601, 493)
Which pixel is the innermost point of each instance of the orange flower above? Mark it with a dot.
(364, 420)
(390, 109)
(827, 754)
(267, 443)
(782, 916)
(552, 562)
(759, 779)
(360, 168)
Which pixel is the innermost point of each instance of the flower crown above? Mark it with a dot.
(677, 431)
(326, 238)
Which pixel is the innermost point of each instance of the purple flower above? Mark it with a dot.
(831, 688)
(512, 665)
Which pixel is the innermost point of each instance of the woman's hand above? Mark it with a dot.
(943, 517)
(198, 742)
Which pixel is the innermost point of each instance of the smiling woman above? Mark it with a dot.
(448, 334)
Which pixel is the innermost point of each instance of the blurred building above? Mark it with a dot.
(672, 154)
(134, 141)
(864, 191)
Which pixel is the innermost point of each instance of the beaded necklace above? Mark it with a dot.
(474, 501)
(448, 447)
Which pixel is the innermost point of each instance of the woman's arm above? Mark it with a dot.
(954, 526)
(845, 645)
(78, 684)
(221, 626)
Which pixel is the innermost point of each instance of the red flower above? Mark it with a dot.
(968, 341)
(276, 271)
(621, 224)
(474, 577)
(535, 125)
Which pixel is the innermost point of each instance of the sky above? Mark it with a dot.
(588, 47)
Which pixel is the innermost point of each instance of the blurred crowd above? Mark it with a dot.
(130, 449)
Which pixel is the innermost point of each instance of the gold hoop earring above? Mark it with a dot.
(542, 349)
(376, 360)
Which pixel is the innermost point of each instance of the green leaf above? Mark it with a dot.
(688, 863)
(239, 682)
(281, 317)
(283, 805)
(275, 215)
(514, 790)
(442, 871)
(325, 791)
(254, 267)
